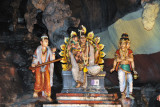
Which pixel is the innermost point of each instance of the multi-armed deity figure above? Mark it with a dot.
(83, 55)
(124, 64)
(43, 74)
(85, 61)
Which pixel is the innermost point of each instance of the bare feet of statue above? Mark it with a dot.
(35, 94)
(49, 99)
(131, 96)
(78, 85)
(123, 95)
(112, 70)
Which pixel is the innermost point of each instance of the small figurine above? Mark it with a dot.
(43, 74)
(124, 64)
(75, 46)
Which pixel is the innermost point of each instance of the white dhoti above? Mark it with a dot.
(125, 83)
(92, 68)
(79, 75)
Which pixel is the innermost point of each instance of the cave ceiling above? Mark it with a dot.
(96, 15)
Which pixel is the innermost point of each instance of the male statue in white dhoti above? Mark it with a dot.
(83, 57)
(124, 64)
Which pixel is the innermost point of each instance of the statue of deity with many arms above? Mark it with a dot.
(82, 55)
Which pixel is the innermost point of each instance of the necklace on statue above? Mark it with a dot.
(123, 54)
(84, 52)
(44, 52)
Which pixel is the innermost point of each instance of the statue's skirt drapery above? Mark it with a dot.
(42, 81)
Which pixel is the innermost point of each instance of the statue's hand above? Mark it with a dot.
(97, 46)
(54, 50)
(112, 70)
(158, 97)
(69, 47)
(119, 60)
(129, 59)
(85, 58)
(33, 65)
(135, 72)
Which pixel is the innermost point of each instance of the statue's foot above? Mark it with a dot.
(35, 94)
(131, 97)
(78, 85)
(49, 99)
(123, 96)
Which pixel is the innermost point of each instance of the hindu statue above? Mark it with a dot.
(82, 55)
(43, 74)
(124, 64)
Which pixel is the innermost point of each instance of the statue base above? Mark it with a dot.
(95, 84)
(81, 105)
(94, 95)
(86, 98)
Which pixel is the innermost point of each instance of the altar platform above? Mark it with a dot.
(94, 95)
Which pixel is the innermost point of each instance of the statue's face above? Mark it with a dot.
(83, 39)
(44, 42)
(123, 45)
(128, 45)
(75, 39)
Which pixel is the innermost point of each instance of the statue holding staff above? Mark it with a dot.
(43, 74)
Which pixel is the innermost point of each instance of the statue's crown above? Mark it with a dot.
(73, 33)
(44, 36)
(124, 35)
(122, 40)
(83, 30)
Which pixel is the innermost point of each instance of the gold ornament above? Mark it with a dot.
(102, 54)
(85, 69)
(102, 66)
(90, 35)
(64, 60)
(97, 40)
(73, 34)
(63, 47)
(66, 39)
(135, 76)
(100, 61)
(101, 46)
(62, 53)
(83, 28)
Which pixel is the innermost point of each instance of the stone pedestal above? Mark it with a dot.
(86, 98)
(81, 105)
(95, 92)
(94, 95)
(95, 84)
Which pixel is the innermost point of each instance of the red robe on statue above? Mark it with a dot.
(42, 76)
(118, 53)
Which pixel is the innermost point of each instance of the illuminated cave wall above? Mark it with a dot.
(142, 40)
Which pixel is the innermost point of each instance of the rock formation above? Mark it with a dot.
(30, 16)
(97, 15)
(142, 41)
(10, 82)
(149, 15)
(57, 18)
(41, 4)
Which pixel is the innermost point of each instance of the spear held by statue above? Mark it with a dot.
(46, 63)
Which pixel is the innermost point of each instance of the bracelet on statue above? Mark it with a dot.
(114, 67)
(133, 69)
